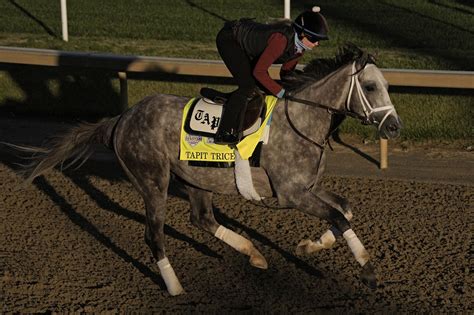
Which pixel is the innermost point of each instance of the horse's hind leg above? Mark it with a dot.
(155, 204)
(328, 239)
(152, 184)
(202, 216)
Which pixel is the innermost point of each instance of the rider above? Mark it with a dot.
(249, 49)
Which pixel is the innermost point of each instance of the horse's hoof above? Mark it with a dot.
(368, 276)
(306, 247)
(302, 247)
(176, 292)
(257, 260)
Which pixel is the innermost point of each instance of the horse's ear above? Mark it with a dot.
(375, 55)
(361, 60)
(373, 58)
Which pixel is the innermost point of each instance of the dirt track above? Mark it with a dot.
(74, 242)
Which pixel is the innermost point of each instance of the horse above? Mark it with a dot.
(145, 140)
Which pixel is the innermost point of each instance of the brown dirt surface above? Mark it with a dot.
(73, 241)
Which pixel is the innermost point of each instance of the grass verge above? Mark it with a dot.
(411, 34)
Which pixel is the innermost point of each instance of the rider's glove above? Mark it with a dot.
(281, 94)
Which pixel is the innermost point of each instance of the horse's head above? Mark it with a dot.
(368, 98)
(351, 84)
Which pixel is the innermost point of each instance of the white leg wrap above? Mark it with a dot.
(168, 275)
(242, 245)
(243, 178)
(236, 241)
(360, 253)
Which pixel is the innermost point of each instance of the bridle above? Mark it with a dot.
(366, 107)
(367, 118)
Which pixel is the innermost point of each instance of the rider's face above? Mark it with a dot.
(309, 44)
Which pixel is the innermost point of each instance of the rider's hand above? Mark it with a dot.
(281, 94)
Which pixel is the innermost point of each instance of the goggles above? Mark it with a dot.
(313, 39)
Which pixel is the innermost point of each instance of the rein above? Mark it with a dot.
(299, 133)
(330, 109)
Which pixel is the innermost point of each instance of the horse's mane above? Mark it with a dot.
(318, 68)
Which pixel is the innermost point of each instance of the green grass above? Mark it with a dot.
(407, 34)
(427, 117)
(410, 34)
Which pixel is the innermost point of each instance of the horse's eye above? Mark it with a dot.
(370, 87)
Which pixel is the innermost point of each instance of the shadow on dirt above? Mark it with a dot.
(42, 184)
(104, 202)
(111, 170)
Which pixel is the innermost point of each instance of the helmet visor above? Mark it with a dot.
(311, 36)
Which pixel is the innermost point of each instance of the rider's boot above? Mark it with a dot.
(230, 128)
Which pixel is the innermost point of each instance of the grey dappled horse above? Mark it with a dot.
(145, 140)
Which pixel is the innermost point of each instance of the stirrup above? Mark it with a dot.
(227, 137)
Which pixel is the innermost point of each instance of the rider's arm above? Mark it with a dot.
(275, 47)
(289, 66)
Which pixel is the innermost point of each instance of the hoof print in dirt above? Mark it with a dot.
(368, 276)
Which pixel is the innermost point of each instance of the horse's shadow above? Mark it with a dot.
(82, 222)
(79, 178)
(104, 202)
(177, 190)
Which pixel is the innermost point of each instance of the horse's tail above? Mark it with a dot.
(77, 145)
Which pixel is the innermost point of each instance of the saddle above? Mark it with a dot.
(200, 122)
(255, 107)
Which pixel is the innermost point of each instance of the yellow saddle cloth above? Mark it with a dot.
(201, 148)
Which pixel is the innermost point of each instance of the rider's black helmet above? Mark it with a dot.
(312, 25)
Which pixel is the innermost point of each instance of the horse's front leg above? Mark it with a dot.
(328, 239)
(310, 203)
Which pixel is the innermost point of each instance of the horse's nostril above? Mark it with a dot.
(393, 127)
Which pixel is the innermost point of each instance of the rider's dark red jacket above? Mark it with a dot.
(268, 44)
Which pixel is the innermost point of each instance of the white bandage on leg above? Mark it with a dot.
(242, 245)
(236, 241)
(243, 178)
(360, 253)
(168, 275)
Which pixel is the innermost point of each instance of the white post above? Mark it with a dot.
(123, 91)
(383, 153)
(64, 20)
(287, 9)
